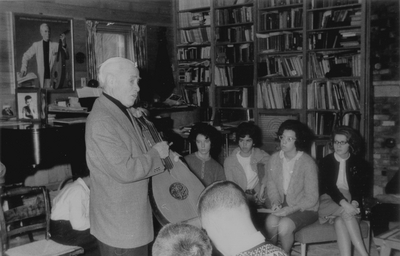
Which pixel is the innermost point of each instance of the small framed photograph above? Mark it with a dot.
(43, 52)
(31, 104)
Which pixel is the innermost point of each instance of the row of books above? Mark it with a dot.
(273, 3)
(334, 39)
(188, 4)
(235, 34)
(335, 18)
(194, 53)
(234, 16)
(335, 95)
(237, 53)
(198, 96)
(188, 19)
(319, 149)
(334, 65)
(196, 74)
(231, 2)
(280, 41)
(330, 3)
(281, 19)
(198, 35)
(284, 65)
(235, 98)
(233, 75)
(233, 117)
(279, 95)
(322, 123)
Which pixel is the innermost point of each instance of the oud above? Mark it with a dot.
(173, 193)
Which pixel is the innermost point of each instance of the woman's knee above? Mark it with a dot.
(286, 226)
(272, 221)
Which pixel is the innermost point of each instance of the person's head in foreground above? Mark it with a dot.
(181, 240)
(119, 78)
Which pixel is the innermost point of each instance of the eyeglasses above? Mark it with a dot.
(290, 139)
(341, 143)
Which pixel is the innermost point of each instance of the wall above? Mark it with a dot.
(153, 13)
(386, 126)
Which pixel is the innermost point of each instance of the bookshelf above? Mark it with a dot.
(234, 60)
(336, 84)
(193, 52)
(280, 66)
(309, 66)
(270, 60)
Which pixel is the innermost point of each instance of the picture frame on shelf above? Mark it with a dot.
(31, 104)
(31, 34)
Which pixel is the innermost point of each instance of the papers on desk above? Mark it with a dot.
(70, 120)
(87, 92)
(55, 108)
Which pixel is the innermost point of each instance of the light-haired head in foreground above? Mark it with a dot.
(181, 240)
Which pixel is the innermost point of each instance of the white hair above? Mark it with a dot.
(112, 67)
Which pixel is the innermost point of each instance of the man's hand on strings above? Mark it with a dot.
(63, 40)
(162, 149)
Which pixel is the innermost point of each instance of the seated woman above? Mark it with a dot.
(246, 164)
(344, 182)
(201, 162)
(292, 184)
(69, 221)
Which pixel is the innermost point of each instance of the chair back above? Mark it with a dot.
(26, 209)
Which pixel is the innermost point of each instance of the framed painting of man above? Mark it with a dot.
(43, 52)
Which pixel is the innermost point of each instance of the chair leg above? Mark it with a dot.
(367, 240)
(303, 249)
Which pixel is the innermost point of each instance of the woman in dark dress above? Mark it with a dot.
(343, 184)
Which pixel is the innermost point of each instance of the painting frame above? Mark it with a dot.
(29, 41)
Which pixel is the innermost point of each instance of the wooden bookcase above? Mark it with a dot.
(194, 49)
(275, 60)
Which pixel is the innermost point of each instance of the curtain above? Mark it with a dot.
(139, 45)
(105, 40)
(91, 27)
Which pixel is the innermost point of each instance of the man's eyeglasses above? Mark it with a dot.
(290, 139)
(341, 143)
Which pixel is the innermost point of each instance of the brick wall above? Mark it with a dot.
(386, 126)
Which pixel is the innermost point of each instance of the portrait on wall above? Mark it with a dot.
(29, 104)
(43, 52)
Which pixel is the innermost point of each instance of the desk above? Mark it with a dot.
(388, 241)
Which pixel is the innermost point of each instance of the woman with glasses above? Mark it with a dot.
(343, 184)
(292, 184)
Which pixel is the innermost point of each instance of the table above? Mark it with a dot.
(388, 241)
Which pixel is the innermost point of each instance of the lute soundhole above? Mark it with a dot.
(178, 191)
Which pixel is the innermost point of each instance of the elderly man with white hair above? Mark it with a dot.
(120, 163)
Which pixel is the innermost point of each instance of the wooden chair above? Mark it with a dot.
(324, 233)
(29, 210)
